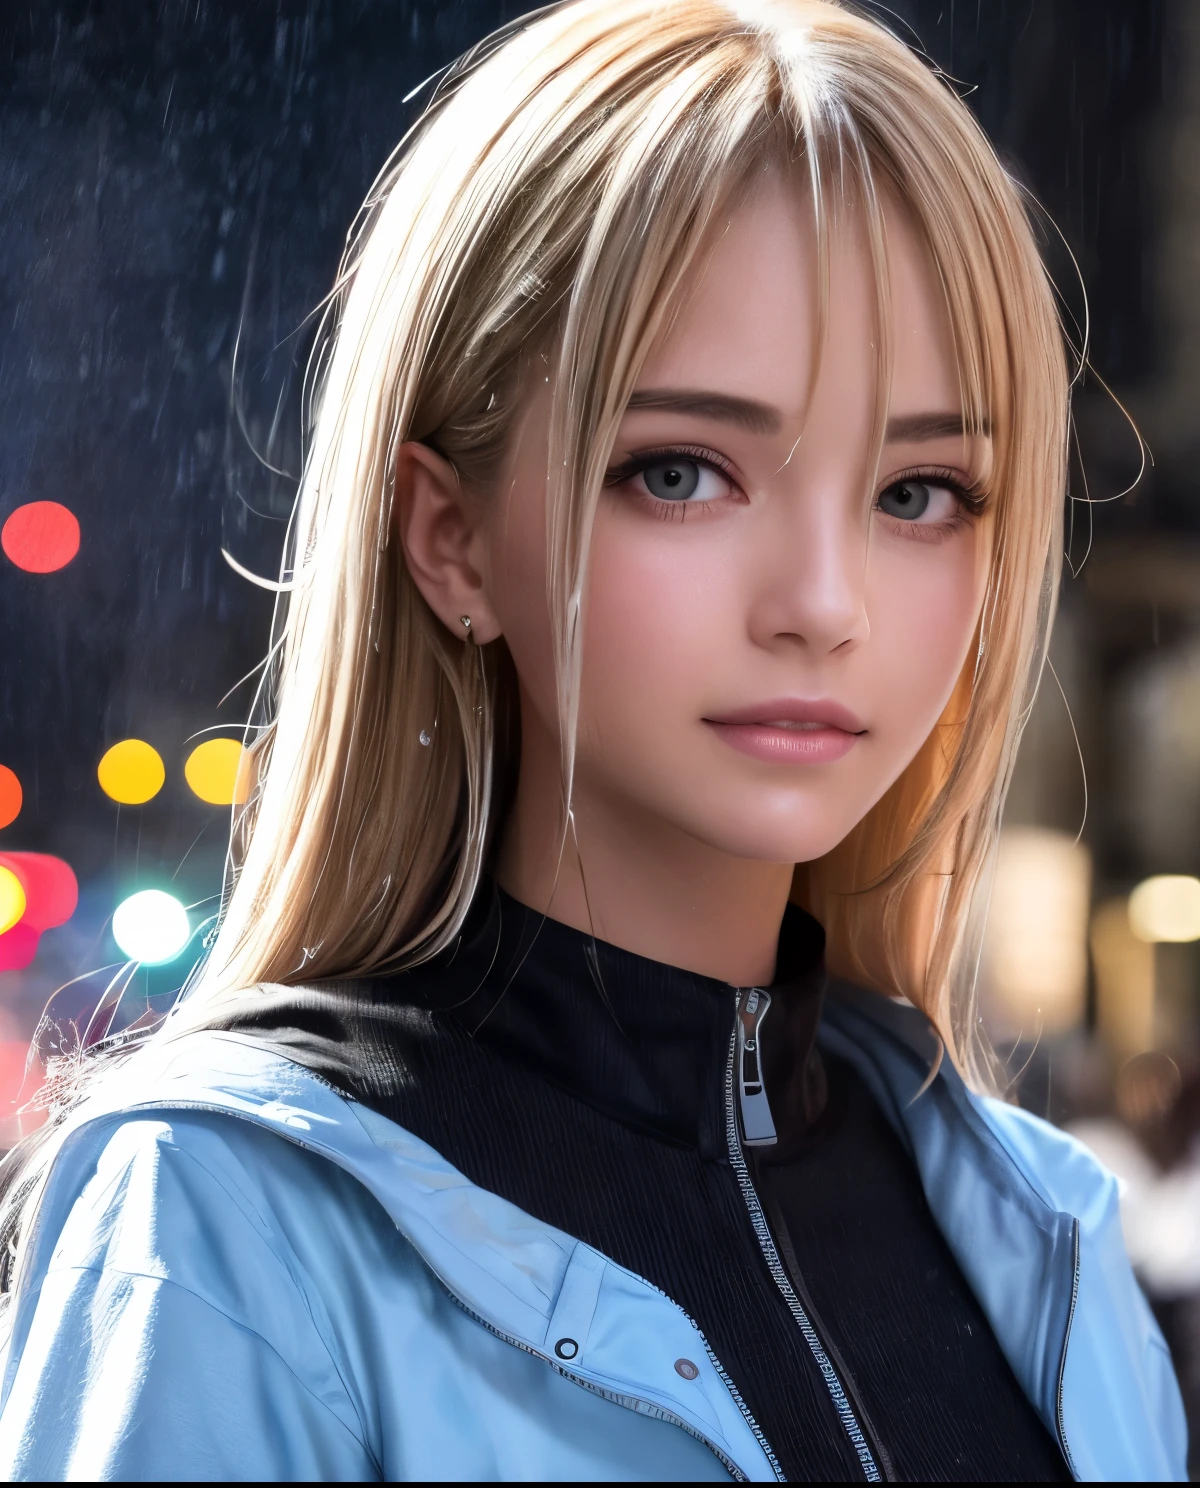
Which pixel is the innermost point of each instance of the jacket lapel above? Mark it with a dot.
(1033, 1222)
(537, 1287)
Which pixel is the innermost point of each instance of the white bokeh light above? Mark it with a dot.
(1166, 908)
(151, 927)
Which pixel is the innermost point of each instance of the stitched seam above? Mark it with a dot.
(259, 1226)
(243, 1327)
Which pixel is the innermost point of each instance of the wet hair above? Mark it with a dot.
(545, 210)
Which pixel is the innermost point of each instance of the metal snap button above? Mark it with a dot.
(686, 1368)
(567, 1348)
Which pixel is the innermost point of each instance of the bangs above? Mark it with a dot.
(552, 203)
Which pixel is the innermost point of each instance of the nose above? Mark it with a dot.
(811, 585)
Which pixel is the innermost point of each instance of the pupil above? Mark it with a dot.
(672, 480)
(907, 499)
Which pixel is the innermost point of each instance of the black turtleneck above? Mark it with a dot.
(587, 1085)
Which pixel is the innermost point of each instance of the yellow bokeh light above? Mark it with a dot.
(1166, 908)
(218, 772)
(131, 772)
(12, 899)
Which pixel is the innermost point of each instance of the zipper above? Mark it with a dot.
(737, 1159)
(758, 1125)
(791, 1264)
(1060, 1428)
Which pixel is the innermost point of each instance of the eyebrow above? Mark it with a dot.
(762, 418)
(916, 427)
(746, 413)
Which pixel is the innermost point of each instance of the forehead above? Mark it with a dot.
(749, 313)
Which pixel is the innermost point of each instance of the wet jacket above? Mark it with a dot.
(345, 1304)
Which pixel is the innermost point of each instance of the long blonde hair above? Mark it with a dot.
(547, 206)
(538, 221)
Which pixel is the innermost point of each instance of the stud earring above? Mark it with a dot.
(465, 621)
(424, 737)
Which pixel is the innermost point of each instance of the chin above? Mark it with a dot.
(766, 837)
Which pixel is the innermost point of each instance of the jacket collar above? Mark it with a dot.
(1032, 1220)
(641, 1041)
(532, 1284)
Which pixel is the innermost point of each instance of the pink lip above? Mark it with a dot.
(791, 730)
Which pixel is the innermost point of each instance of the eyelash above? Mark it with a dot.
(972, 502)
(671, 511)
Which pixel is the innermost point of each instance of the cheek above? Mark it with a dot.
(658, 618)
(923, 608)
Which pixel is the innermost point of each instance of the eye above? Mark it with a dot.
(674, 478)
(919, 500)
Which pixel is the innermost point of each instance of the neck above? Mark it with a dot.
(636, 881)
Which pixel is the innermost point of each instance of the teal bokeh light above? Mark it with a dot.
(151, 927)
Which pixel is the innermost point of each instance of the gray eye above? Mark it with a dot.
(906, 499)
(671, 479)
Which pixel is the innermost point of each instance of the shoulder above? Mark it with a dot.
(173, 1301)
(186, 1194)
(199, 1163)
(896, 1049)
(1064, 1173)
(212, 1168)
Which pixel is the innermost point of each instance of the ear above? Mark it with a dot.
(441, 530)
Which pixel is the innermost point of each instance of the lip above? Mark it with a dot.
(795, 710)
(790, 730)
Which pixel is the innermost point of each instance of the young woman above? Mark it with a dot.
(674, 557)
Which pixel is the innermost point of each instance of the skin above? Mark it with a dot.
(791, 582)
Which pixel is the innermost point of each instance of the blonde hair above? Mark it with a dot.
(547, 207)
(539, 220)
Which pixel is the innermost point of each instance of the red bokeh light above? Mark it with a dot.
(41, 536)
(51, 894)
(51, 888)
(18, 946)
(11, 796)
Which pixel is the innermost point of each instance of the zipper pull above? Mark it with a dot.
(758, 1127)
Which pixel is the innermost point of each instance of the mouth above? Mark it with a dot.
(790, 730)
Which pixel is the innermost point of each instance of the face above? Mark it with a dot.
(772, 627)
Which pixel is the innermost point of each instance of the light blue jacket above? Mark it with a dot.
(205, 1300)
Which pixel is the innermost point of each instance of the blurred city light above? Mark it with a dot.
(41, 536)
(11, 796)
(1035, 952)
(1166, 908)
(51, 893)
(12, 899)
(151, 927)
(131, 772)
(1124, 967)
(51, 889)
(215, 771)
